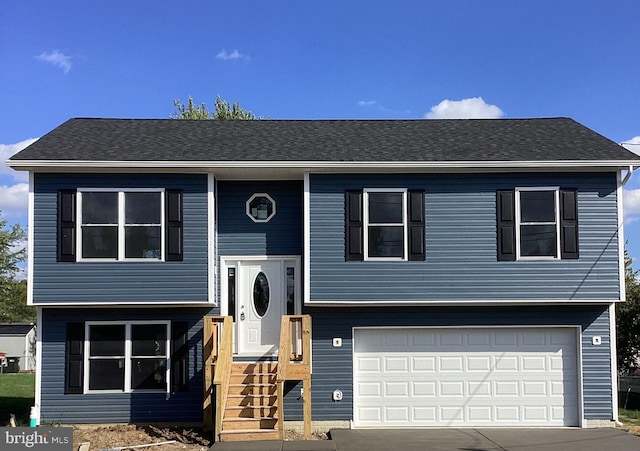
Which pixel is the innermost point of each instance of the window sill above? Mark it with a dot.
(122, 392)
(384, 259)
(129, 260)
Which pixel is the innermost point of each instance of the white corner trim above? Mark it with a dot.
(580, 369)
(212, 229)
(30, 247)
(621, 243)
(306, 240)
(38, 390)
(613, 343)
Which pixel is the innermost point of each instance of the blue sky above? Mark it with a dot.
(324, 59)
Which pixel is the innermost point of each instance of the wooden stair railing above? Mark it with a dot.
(218, 357)
(294, 363)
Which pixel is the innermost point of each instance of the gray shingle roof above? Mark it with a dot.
(484, 140)
(15, 329)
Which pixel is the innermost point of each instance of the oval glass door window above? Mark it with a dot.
(261, 294)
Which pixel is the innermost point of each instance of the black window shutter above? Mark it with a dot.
(354, 250)
(506, 225)
(173, 210)
(568, 224)
(416, 226)
(179, 356)
(74, 364)
(66, 226)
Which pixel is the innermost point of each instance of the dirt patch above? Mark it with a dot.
(187, 439)
(632, 429)
(116, 436)
(293, 435)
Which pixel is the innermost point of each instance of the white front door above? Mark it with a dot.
(261, 303)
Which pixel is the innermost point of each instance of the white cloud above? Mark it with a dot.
(14, 200)
(235, 55)
(57, 58)
(632, 144)
(376, 106)
(8, 150)
(473, 108)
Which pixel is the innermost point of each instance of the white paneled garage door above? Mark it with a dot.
(465, 377)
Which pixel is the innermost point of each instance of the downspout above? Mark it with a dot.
(630, 170)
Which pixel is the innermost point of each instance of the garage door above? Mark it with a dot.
(465, 377)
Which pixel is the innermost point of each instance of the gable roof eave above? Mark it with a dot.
(338, 166)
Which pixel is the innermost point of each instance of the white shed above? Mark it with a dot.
(18, 346)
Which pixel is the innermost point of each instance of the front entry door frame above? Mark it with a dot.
(233, 272)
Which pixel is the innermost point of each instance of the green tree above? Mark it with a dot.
(13, 292)
(628, 320)
(223, 111)
(14, 307)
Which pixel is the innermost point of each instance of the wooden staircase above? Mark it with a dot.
(251, 412)
(243, 401)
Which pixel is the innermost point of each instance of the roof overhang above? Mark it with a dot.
(296, 169)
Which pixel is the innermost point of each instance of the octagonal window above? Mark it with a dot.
(261, 207)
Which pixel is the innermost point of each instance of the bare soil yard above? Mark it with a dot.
(131, 435)
(187, 439)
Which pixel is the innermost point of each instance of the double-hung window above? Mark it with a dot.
(132, 224)
(121, 225)
(384, 224)
(127, 356)
(537, 223)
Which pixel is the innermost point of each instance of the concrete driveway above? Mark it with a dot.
(486, 440)
(562, 439)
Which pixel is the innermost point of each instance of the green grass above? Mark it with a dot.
(629, 416)
(17, 395)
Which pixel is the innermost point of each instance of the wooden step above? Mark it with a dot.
(252, 368)
(230, 424)
(249, 435)
(252, 378)
(251, 400)
(253, 389)
(251, 412)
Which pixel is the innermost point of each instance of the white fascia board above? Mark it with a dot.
(203, 166)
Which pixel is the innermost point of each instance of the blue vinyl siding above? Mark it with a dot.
(239, 235)
(461, 263)
(333, 367)
(120, 282)
(56, 407)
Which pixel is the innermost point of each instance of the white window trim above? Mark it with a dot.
(121, 224)
(556, 191)
(248, 208)
(365, 223)
(127, 355)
